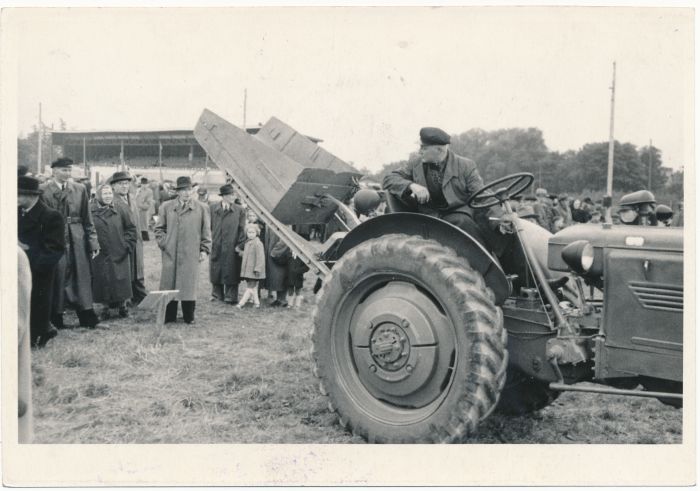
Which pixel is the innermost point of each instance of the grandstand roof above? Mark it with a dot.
(147, 137)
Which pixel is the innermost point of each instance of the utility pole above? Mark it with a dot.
(611, 148)
(649, 183)
(39, 167)
(245, 103)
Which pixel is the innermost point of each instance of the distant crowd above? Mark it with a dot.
(556, 212)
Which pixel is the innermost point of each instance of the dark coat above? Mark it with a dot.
(227, 232)
(111, 268)
(276, 274)
(74, 271)
(460, 182)
(181, 235)
(136, 255)
(295, 273)
(41, 230)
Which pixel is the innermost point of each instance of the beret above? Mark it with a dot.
(62, 162)
(433, 136)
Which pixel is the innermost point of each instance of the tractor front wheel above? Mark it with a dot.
(408, 344)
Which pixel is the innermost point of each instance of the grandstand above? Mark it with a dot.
(161, 154)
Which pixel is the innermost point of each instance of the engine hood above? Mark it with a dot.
(603, 235)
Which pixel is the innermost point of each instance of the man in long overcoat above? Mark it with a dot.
(41, 231)
(121, 182)
(227, 232)
(184, 236)
(73, 280)
(146, 206)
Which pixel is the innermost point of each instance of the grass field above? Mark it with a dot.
(245, 377)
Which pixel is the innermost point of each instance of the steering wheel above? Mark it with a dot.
(512, 185)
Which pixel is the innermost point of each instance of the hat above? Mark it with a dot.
(144, 180)
(62, 162)
(433, 136)
(183, 182)
(527, 211)
(541, 192)
(664, 212)
(119, 176)
(225, 189)
(28, 185)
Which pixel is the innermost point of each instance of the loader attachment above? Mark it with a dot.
(279, 189)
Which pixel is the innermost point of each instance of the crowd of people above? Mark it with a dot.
(85, 249)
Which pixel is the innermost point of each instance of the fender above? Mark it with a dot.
(433, 228)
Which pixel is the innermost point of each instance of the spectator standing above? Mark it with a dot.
(578, 214)
(295, 280)
(183, 234)
(203, 195)
(228, 222)
(277, 256)
(146, 206)
(111, 267)
(73, 280)
(42, 232)
(544, 208)
(563, 210)
(121, 182)
(253, 265)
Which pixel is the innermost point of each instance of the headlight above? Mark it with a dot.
(628, 215)
(579, 256)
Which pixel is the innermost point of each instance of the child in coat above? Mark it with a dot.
(253, 265)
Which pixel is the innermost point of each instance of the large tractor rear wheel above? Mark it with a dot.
(408, 344)
(523, 394)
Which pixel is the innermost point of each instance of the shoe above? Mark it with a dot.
(57, 321)
(275, 303)
(123, 312)
(257, 305)
(50, 334)
(190, 322)
(282, 304)
(239, 306)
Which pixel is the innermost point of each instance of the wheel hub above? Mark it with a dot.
(390, 347)
(401, 345)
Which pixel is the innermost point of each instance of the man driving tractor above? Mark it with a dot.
(440, 183)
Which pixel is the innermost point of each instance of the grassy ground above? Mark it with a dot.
(245, 376)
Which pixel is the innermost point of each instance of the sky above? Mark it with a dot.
(365, 80)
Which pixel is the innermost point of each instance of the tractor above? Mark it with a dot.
(420, 332)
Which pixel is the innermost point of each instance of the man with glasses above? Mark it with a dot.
(439, 183)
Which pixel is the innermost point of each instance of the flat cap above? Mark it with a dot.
(433, 136)
(62, 162)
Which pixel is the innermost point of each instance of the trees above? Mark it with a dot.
(27, 150)
(658, 177)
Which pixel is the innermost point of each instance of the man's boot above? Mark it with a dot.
(57, 321)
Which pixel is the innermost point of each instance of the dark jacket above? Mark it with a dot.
(276, 273)
(136, 253)
(80, 239)
(111, 267)
(227, 232)
(42, 230)
(460, 182)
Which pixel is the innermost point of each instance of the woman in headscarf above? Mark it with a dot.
(116, 233)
